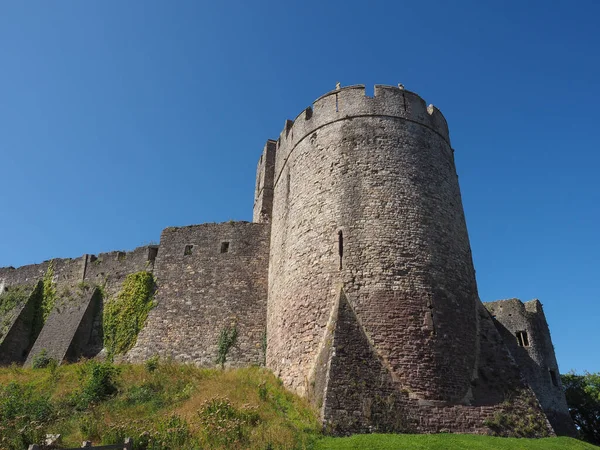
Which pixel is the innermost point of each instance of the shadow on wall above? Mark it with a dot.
(89, 338)
(517, 345)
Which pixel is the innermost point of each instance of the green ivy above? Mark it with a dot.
(227, 339)
(49, 293)
(126, 314)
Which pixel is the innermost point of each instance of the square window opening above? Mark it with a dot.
(188, 250)
(224, 247)
(522, 339)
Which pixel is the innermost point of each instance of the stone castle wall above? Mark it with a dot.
(366, 197)
(263, 195)
(210, 277)
(74, 328)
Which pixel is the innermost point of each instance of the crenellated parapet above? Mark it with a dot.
(352, 102)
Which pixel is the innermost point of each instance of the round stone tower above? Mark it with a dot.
(366, 207)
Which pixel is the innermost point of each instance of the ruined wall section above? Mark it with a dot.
(366, 197)
(210, 277)
(534, 353)
(107, 270)
(263, 194)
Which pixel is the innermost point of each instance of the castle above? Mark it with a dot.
(354, 284)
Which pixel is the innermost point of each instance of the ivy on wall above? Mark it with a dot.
(49, 292)
(34, 316)
(227, 339)
(126, 314)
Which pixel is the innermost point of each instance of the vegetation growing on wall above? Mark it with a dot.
(126, 314)
(49, 292)
(521, 417)
(9, 301)
(227, 339)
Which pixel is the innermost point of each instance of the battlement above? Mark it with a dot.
(352, 101)
(515, 306)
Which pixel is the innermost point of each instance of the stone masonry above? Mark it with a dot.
(355, 284)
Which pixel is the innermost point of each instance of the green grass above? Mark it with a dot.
(163, 405)
(160, 405)
(447, 442)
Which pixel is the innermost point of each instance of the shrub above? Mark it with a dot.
(98, 382)
(149, 393)
(24, 416)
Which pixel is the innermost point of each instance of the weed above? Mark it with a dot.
(262, 391)
(42, 360)
(226, 425)
(151, 364)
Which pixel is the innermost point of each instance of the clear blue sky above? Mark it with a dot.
(118, 119)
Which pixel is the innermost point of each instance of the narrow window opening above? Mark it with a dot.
(553, 377)
(341, 246)
(224, 247)
(188, 250)
(308, 113)
(337, 108)
(431, 323)
(522, 339)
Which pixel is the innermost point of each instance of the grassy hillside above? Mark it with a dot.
(163, 406)
(159, 405)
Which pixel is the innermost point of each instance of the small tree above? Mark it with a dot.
(583, 398)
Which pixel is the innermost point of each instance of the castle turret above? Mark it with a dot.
(366, 203)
